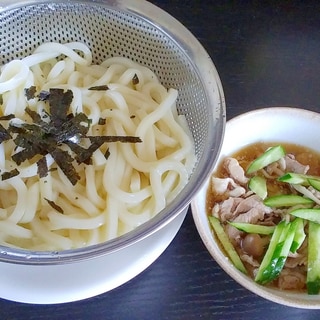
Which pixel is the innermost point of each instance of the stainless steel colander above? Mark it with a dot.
(140, 31)
(122, 28)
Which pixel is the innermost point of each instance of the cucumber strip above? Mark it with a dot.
(313, 273)
(299, 235)
(286, 200)
(271, 155)
(315, 183)
(258, 185)
(296, 178)
(253, 228)
(226, 243)
(310, 214)
(265, 270)
(285, 244)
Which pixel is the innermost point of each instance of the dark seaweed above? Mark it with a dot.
(135, 79)
(30, 92)
(7, 117)
(59, 128)
(9, 174)
(59, 102)
(102, 121)
(42, 167)
(107, 154)
(54, 205)
(44, 95)
(64, 161)
(99, 88)
(4, 134)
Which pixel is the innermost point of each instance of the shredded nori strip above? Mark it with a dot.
(99, 88)
(82, 155)
(59, 102)
(102, 121)
(4, 134)
(135, 79)
(44, 95)
(7, 117)
(30, 92)
(54, 205)
(60, 128)
(34, 116)
(42, 167)
(123, 139)
(9, 174)
(64, 161)
(107, 154)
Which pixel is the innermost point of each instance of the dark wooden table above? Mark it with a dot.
(265, 55)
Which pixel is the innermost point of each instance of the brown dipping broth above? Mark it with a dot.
(256, 245)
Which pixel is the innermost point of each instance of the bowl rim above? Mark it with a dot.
(210, 78)
(206, 234)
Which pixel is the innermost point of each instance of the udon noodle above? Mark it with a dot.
(116, 193)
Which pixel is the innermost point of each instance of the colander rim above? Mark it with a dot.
(209, 75)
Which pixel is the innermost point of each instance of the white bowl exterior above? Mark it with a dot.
(276, 124)
(49, 284)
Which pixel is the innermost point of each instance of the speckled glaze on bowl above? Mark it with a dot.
(274, 124)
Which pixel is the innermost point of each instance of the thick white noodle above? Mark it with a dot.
(116, 193)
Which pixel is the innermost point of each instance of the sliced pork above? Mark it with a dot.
(235, 170)
(227, 186)
(292, 165)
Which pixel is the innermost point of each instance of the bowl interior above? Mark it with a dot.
(146, 34)
(277, 124)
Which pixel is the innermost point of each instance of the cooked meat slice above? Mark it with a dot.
(292, 165)
(234, 234)
(253, 201)
(291, 280)
(251, 216)
(235, 170)
(227, 208)
(297, 260)
(249, 210)
(275, 169)
(227, 186)
(249, 259)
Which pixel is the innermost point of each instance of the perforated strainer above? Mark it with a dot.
(140, 31)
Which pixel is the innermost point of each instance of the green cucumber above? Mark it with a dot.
(295, 178)
(286, 200)
(226, 243)
(253, 228)
(310, 214)
(285, 244)
(271, 155)
(258, 185)
(315, 183)
(299, 235)
(299, 178)
(269, 260)
(277, 252)
(313, 273)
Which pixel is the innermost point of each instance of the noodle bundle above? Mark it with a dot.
(125, 184)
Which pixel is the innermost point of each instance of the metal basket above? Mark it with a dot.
(140, 31)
